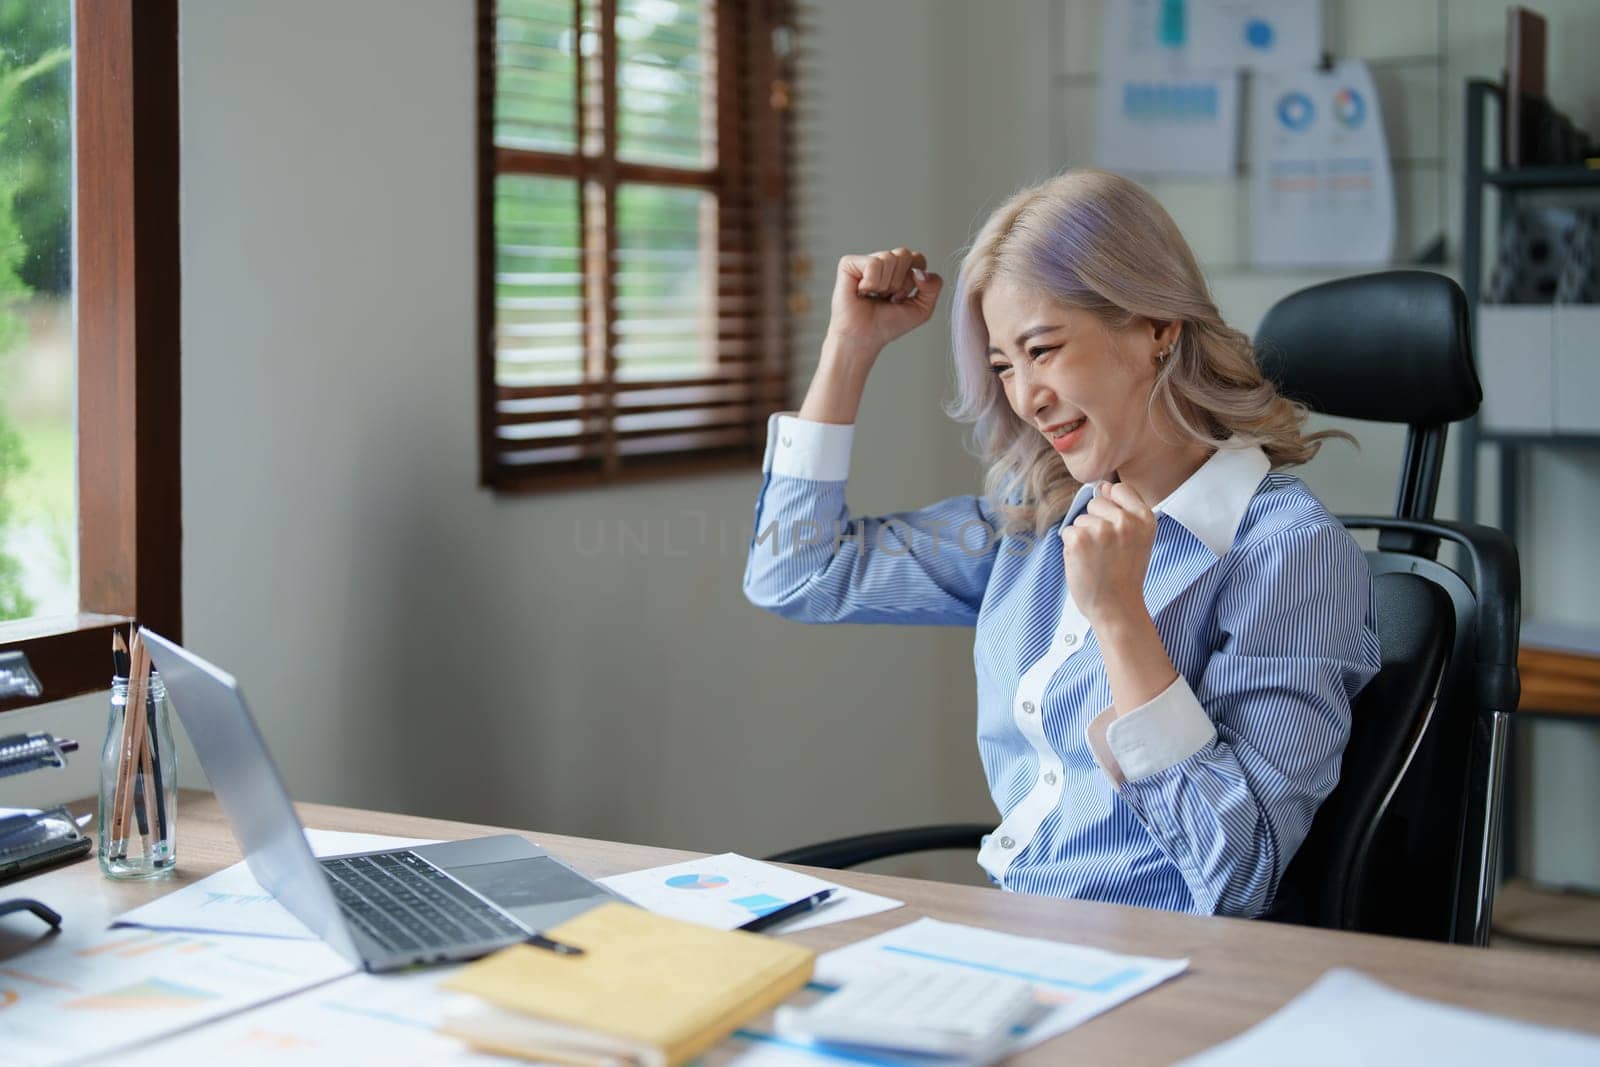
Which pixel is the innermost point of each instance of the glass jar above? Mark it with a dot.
(137, 829)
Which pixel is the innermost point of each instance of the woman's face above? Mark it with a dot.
(1082, 385)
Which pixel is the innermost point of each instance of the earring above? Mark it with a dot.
(1163, 355)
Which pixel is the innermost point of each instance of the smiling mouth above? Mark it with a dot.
(1065, 428)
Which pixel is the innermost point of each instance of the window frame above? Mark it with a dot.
(769, 241)
(127, 323)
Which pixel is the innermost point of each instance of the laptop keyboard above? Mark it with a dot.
(406, 904)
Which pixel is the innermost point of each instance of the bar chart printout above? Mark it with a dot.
(108, 989)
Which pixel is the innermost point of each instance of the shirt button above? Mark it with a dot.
(1050, 779)
(1069, 639)
(1006, 842)
(1028, 708)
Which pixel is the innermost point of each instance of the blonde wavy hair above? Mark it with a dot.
(1099, 242)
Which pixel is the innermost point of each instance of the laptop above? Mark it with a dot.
(383, 910)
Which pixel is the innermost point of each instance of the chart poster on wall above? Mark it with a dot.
(1322, 193)
(1163, 109)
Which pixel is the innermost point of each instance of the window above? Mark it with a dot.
(124, 277)
(633, 236)
(38, 511)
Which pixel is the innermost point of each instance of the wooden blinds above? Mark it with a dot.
(633, 235)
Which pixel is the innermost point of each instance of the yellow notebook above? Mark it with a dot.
(648, 990)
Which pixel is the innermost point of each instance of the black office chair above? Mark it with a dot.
(1408, 842)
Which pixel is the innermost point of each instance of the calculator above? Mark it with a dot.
(930, 1011)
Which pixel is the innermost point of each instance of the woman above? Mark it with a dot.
(1169, 635)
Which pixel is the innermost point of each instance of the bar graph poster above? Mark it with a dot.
(1163, 108)
(1322, 192)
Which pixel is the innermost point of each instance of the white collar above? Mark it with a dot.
(1211, 502)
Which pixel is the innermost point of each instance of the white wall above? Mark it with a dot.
(991, 114)
(1400, 40)
(416, 642)
(413, 642)
(1421, 52)
(410, 641)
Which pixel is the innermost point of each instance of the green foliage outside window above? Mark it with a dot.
(36, 144)
(35, 254)
(663, 108)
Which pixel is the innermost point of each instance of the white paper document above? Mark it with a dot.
(729, 890)
(1347, 1018)
(83, 995)
(365, 1018)
(1322, 191)
(1072, 983)
(1162, 108)
(233, 902)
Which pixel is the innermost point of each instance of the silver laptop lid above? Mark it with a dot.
(247, 785)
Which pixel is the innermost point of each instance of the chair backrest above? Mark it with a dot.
(1336, 878)
(1389, 347)
(1403, 844)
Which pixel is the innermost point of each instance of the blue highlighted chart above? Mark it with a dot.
(697, 881)
(760, 903)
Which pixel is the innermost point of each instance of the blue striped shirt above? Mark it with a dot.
(1193, 802)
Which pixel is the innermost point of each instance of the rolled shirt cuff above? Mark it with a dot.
(1158, 734)
(801, 448)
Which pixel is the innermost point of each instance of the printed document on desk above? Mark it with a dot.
(90, 992)
(233, 902)
(1072, 983)
(365, 1018)
(1314, 1030)
(729, 890)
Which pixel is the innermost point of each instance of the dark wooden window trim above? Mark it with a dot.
(125, 266)
(762, 134)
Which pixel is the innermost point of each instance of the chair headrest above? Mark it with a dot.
(1388, 347)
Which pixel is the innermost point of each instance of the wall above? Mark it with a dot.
(1401, 43)
(410, 641)
(1421, 53)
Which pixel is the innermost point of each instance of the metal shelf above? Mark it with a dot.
(1544, 178)
(1508, 446)
(1479, 180)
(1537, 437)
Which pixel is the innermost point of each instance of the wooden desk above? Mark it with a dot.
(1559, 682)
(1239, 972)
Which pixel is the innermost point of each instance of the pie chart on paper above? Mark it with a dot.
(697, 881)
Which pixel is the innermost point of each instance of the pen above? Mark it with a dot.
(788, 911)
(558, 947)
